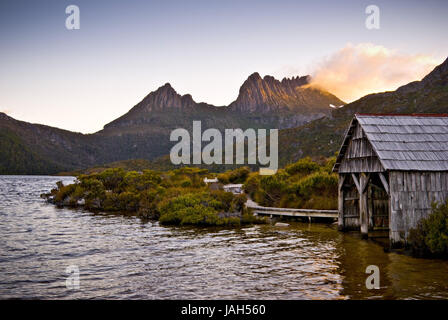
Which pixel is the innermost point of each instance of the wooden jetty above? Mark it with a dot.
(288, 212)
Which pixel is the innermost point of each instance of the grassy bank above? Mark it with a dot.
(181, 197)
(177, 197)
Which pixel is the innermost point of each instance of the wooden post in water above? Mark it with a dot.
(341, 202)
(363, 212)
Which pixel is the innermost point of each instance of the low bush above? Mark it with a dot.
(430, 237)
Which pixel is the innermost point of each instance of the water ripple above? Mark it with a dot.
(121, 257)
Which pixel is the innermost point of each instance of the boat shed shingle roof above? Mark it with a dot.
(408, 142)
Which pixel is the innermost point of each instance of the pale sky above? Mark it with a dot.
(82, 79)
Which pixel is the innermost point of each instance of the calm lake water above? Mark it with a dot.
(122, 257)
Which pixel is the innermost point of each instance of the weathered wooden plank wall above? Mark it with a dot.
(360, 156)
(412, 193)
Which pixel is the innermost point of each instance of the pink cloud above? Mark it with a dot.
(355, 71)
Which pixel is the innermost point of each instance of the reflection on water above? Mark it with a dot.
(124, 257)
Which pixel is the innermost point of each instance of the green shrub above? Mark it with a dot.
(302, 167)
(131, 182)
(273, 187)
(328, 167)
(223, 198)
(188, 209)
(201, 208)
(110, 178)
(251, 184)
(238, 175)
(111, 202)
(93, 189)
(186, 183)
(318, 183)
(62, 192)
(149, 200)
(128, 201)
(430, 237)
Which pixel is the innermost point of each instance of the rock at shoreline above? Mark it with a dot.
(281, 224)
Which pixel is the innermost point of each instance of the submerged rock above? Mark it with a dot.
(281, 224)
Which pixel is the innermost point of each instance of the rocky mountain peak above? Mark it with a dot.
(254, 77)
(165, 98)
(166, 89)
(297, 81)
(268, 94)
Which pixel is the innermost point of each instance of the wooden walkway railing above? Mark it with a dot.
(311, 213)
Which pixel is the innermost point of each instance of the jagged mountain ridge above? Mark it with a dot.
(323, 137)
(320, 137)
(143, 132)
(27, 148)
(266, 96)
(51, 149)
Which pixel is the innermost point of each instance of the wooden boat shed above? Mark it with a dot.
(391, 169)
